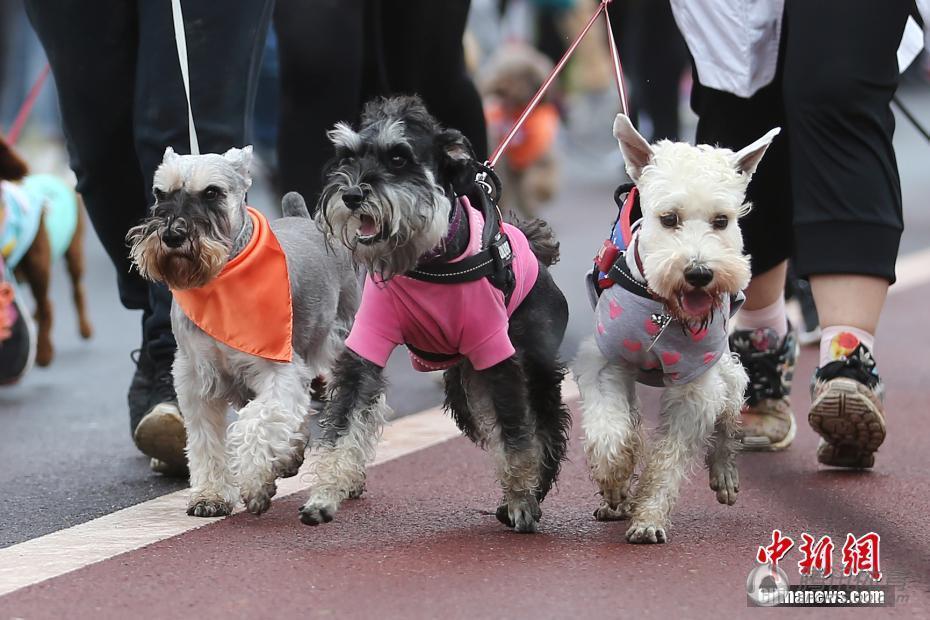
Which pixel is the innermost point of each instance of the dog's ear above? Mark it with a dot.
(12, 168)
(343, 136)
(637, 154)
(169, 155)
(457, 166)
(242, 160)
(748, 158)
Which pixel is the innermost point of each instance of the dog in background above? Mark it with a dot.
(664, 323)
(401, 195)
(529, 169)
(259, 310)
(41, 220)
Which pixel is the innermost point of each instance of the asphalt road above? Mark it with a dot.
(65, 451)
(423, 542)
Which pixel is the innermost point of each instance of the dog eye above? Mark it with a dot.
(720, 222)
(669, 220)
(398, 161)
(211, 193)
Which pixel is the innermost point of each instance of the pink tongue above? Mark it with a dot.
(367, 227)
(697, 303)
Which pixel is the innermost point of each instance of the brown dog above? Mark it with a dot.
(40, 218)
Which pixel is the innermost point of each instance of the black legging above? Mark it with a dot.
(122, 102)
(336, 54)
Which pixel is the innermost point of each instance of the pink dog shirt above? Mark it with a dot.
(467, 319)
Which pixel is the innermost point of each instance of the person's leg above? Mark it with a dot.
(92, 52)
(320, 51)
(767, 349)
(223, 90)
(847, 198)
(660, 66)
(424, 55)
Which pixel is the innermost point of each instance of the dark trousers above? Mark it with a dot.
(336, 54)
(827, 191)
(122, 103)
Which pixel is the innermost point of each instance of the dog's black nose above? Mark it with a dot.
(353, 197)
(173, 237)
(698, 276)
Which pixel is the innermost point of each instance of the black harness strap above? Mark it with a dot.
(495, 259)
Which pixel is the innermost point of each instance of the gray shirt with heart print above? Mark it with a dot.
(625, 329)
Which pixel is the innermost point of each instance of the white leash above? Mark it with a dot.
(181, 40)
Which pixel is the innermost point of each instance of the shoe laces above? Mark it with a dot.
(768, 369)
(858, 365)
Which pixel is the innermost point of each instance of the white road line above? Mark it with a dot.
(131, 528)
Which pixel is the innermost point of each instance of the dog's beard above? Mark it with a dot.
(393, 227)
(690, 306)
(192, 265)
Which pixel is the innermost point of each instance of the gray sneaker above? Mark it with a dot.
(768, 423)
(848, 411)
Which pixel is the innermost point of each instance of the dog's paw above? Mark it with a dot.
(522, 515)
(208, 507)
(641, 532)
(725, 481)
(606, 512)
(259, 500)
(315, 512)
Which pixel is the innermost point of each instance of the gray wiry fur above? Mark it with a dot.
(268, 439)
(387, 198)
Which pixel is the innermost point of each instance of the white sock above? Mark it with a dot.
(839, 341)
(772, 316)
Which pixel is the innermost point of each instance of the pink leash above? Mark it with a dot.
(23, 115)
(618, 76)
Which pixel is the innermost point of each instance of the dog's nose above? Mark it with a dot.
(698, 276)
(353, 197)
(173, 238)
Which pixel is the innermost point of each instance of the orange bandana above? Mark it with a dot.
(248, 306)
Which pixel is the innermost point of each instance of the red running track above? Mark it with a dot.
(424, 543)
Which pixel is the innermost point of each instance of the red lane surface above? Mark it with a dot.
(422, 543)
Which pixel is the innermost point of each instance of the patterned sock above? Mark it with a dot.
(772, 316)
(838, 341)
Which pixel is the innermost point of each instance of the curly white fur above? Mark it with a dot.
(697, 184)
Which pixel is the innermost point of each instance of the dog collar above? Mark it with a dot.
(248, 306)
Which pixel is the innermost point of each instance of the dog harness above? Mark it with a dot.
(441, 321)
(633, 325)
(248, 306)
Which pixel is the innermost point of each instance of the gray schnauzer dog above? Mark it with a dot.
(396, 197)
(198, 226)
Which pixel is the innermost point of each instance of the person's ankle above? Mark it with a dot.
(839, 341)
(771, 317)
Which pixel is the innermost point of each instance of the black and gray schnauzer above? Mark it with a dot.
(198, 224)
(390, 195)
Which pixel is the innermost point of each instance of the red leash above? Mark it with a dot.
(618, 76)
(23, 115)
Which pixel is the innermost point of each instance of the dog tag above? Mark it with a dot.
(662, 321)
